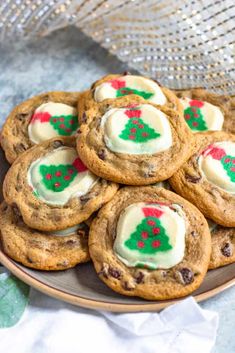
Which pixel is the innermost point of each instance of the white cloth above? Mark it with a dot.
(51, 326)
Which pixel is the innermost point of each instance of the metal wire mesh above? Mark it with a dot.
(180, 43)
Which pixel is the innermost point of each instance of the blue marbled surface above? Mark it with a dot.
(68, 60)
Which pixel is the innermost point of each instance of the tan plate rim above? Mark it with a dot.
(99, 305)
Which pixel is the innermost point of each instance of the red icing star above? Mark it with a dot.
(79, 165)
(196, 103)
(117, 84)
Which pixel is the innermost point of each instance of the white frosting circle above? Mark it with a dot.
(81, 182)
(216, 162)
(173, 221)
(66, 232)
(115, 121)
(40, 128)
(212, 115)
(109, 89)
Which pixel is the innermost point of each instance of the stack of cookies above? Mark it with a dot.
(125, 174)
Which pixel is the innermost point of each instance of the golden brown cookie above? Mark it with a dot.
(57, 251)
(134, 142)
(52, 189)
(213, 111)
(151, 243)
(223, 247)
(207, 179)
(119, 85)
(38, 119)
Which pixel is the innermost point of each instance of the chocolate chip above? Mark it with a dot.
(102, 154)
(192, 179)
(227, 250)
(21, 116)
(114, 273)
(16, 210)
(84, 118)
(187, 275)
(126, 286)
(85, 198)
(29, 260)
(57, 144)
(151, 171)
(20, 147)
(104, 271)
(139, 278)
(71, 242)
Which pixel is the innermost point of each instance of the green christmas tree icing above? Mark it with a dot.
(57, 178)
(194, 117)
(149, 237)
(228, 163)
(125, 91)
(65, 125)
(136, 129)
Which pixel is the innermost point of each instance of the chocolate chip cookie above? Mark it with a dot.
(52, 189)
(43, 251)
(205, 111)
(223, 246)
(134, 142)
(207, 179)
(116, 86)
(38, 119)
(151, 243)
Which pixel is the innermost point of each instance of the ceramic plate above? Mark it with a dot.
(81, 286)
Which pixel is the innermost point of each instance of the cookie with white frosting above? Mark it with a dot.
(116, 86)
(52, 189)
(40, 250)
(37, 119)
(150, 242)
(134, 142)
(207, 179)
(206, 111)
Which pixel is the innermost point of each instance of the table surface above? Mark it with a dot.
(68, 60)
